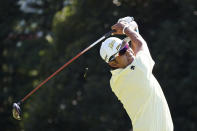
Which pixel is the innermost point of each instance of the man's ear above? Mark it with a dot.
(113, 64)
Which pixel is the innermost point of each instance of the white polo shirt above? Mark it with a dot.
(141, 95)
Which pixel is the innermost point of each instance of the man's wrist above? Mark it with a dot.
(125, 27)
(127, 30)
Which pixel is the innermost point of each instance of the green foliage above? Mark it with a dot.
(35, 45)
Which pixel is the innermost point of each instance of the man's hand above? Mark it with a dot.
(127, 19)
(118, 27)
(122, 25)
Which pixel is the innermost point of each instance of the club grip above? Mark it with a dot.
(109, 33)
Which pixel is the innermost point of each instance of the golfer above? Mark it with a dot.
(132, 80)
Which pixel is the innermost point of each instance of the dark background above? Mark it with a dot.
(39, 36)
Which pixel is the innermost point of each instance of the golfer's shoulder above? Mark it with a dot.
(144, 54)
(144, 61)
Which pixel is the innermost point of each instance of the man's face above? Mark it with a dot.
(124, 59)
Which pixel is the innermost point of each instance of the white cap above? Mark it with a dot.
(110, 47)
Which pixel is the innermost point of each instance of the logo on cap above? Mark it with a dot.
(111, 45)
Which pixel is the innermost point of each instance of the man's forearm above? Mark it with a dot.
(137, 41)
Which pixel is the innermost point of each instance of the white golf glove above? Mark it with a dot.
(130, 23)
(127, 19)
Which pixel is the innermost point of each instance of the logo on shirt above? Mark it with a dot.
(132, 67)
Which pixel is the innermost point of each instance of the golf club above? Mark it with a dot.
(16, 111)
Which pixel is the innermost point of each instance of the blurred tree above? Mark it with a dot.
(7, 73)
(46, 34)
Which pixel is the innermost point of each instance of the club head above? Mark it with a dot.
(16, 111)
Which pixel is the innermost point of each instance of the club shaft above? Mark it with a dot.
(66, 64)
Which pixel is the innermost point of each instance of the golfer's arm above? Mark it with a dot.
(138, 43)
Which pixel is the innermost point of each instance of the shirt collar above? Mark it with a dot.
(116, 71)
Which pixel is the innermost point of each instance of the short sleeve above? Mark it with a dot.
(144, 61)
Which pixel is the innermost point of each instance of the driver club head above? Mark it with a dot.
(16, 111)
